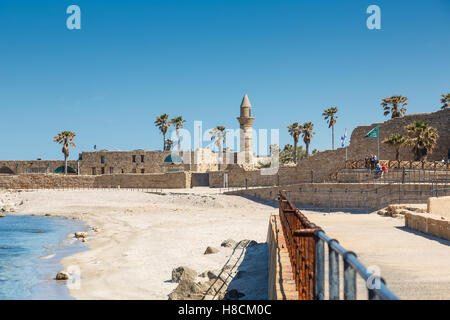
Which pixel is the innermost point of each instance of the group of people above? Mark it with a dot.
(372, 163)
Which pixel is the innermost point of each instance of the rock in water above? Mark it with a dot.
(79, 235)
(183, 273)
(229, 243)
(62, 275)
(2, 215)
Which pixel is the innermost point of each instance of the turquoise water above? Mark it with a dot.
(31, 248)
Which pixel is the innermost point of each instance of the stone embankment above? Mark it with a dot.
(216, 284)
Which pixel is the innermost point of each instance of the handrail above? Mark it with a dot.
(305, 243)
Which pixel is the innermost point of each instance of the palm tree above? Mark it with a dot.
(169, 144)
(178, 122)
(162, 122)
(397, 141)
(307, 134)
(218, 134)
(295, 131)
(330, 115)
(66, 139)
(394, 105)
(422, 137)
(445, 100)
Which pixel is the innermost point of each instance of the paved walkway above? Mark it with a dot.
(414, 265)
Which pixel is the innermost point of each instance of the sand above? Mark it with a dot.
(143, 236)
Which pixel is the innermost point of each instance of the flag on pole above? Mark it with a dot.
(372, 134)
(344, 138)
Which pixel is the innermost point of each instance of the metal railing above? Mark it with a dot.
(392, 176)
(399, 164)
(306, 246)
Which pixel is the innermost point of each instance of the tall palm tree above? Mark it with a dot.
(445, 100)
(162, 122)
(218, 134)
(307, 134)
(66, 139)
(422, 137)
(396, 105)
(295, 130)
(178, 122)
(331, 117)
(397, 141)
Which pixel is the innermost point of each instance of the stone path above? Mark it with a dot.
(414, 265)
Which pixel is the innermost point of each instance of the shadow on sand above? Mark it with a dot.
(424, 235)
(252, 274)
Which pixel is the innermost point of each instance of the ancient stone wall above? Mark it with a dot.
(345, 195)
(361, 147)
(439, 206)
(34, 166)
(50, 181)
(429, 224)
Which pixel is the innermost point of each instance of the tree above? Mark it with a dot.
(397, 141)
(307, 134)
(169, 144)
(396, 105)
(162, 122)
(295, 131)
(287, 154)
(331, 117)
(445, 100)
(66, 139)
(422, 137)
(178, 122)
(218, 134)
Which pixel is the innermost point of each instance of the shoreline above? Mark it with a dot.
(142, 237)
(34, 247)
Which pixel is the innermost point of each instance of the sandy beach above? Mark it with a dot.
(143, 236)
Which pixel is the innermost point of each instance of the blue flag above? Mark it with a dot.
(344, 138)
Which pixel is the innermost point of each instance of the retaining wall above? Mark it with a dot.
(345, 195)
(439, 206)
(428, 224)
(50, 181)
(281, 279)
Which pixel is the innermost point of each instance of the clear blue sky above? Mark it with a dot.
(133, 60)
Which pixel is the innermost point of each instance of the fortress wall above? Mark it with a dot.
(50, 181)
(344, 195)
(361, 147)
(329, 162)
(20, 166)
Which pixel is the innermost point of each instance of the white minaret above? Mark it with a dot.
(245, 122)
